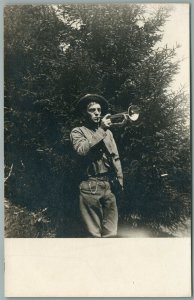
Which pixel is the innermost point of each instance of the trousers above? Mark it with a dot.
(98, 208)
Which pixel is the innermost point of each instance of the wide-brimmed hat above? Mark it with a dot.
(85, 100)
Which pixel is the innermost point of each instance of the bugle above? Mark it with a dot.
(131, 115)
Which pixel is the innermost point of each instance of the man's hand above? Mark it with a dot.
(106, 122)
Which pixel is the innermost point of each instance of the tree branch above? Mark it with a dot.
(10, 171)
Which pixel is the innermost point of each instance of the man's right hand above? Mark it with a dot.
(106, 122)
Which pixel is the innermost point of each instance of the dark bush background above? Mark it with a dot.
(53, 56)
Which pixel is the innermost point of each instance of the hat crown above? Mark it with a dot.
(88, 98)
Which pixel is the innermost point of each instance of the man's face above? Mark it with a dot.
(94, 112)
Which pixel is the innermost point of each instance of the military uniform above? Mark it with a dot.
(99, 158)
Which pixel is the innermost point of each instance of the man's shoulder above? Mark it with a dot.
(84, 129)
(78, 128)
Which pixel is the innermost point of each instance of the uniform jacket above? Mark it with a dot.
(86, 143)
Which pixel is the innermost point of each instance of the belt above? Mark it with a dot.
(102, 176)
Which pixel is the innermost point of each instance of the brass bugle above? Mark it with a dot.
(132, 115)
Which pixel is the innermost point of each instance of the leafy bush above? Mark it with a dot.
(54, 55)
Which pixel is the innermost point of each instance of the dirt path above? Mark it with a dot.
(127, 231)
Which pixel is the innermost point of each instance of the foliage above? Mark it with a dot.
(54, 55)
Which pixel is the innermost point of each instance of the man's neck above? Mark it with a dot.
(91, 125)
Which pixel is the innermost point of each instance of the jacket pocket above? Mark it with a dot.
(84, 186)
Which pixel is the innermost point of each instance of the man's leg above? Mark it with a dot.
(110, 214)
(90, 207)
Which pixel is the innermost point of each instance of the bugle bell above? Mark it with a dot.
(131, 115)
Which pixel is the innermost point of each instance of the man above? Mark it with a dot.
(100, 163)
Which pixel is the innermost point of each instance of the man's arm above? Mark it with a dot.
(83, 144)
(116, 161)
(119, 172)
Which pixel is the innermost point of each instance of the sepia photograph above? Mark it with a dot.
(97, 150)
(97, 121)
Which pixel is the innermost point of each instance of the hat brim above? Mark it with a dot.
(84, 101)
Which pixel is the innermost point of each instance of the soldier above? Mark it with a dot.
(96, 147)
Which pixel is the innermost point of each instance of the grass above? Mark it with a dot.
(20, 222)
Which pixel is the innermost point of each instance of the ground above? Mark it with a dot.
(22, 223)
